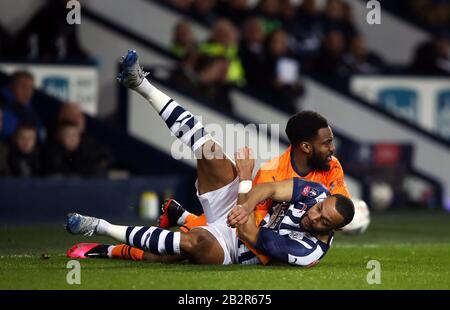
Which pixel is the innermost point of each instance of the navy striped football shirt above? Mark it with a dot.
(281, 234)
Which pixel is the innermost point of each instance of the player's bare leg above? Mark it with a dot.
(198, 245)
(214, 168)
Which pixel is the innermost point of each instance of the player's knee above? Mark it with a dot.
(194, 241)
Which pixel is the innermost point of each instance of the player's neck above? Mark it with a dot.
(324, 238)
(300, 163)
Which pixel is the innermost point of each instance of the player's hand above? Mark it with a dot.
(237, 216)
(245, 162)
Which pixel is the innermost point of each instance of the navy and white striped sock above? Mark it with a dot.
(154, 239)
(184, 125)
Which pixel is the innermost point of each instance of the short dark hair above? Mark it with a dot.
(304, 126)
(345, 207)
(26, 126)
(18, 75)
(60, 126)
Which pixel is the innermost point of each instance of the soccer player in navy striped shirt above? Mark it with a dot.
(298, 230)
(300, 225)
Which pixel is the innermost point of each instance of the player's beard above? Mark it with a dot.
(317, 162)
(309, 228)
(305, 223)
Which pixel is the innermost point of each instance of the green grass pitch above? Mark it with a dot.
(412, 248)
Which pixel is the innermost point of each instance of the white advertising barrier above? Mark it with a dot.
(66, 82)
(424, 101)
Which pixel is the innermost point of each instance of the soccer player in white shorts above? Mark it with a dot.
(219, 183)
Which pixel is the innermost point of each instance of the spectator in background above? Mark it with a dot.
(204, 11)
(23, 155)
(338, 16)
(433, 14)
(48, 36)
(360, 60)
(288, 14)
(16, 100)
(235, 10)
(71, 113)
(330, 62)
(348, 17)
(309, 12)
(307, 30)
(436, 14)
(207, 81)
(63, 155)
(252, 54)
(433, 57)
(283, 72)
(67, 154)
(269, 12)
(224, 43)
(186, 67)
(183, 40)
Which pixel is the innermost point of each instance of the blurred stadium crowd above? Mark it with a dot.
(433, 14)
(268, 46)
(33, 143)
(264, 45)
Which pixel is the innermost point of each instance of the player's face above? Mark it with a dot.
(322, 217)
(322, 150)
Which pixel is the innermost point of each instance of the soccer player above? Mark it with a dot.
(297, 230)
(309, 157)
(218, 186)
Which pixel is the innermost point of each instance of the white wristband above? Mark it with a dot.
(245, 186)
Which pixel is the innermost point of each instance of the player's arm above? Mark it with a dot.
(248, 231)
(279, 191)
(245, 163)
(287, 250)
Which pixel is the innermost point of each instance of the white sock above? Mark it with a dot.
(157, 98)
(117, 232)
(110, 248)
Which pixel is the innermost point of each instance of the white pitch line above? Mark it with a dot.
(378, 245)
(28, 256)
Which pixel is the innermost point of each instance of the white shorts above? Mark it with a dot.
(228, 240)
(216, 206)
